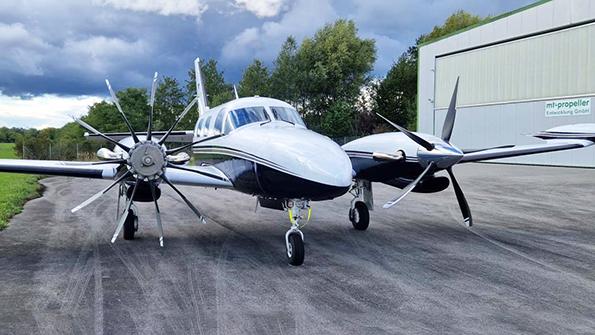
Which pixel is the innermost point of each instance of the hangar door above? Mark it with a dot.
(552, 65)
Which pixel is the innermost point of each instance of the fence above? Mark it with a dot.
(85, 150)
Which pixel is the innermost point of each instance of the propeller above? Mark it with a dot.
(144, 162)
(439, 154)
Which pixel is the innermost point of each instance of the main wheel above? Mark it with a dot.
(130, 225)
(359, 216)
(295, 249)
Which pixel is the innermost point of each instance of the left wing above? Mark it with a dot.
(205, 176)
(59, 168)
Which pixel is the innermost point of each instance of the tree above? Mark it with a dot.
(218, 91)
(397, 93)
(169, 103)
(338, 121)
(284, 77)
(255, 80)
(457, 21)
(334, 65)
(396, 97)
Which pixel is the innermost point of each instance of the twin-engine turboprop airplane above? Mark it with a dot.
(410, 161)
(261, 146)
(258, 146)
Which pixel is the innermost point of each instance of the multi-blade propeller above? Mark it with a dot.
(437, 155)
(144, 162)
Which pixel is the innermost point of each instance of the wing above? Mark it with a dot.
(59, 168)
(522, 150)
(556, 139)
(205, 176)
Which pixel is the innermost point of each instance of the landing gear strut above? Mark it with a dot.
(361, 204)
(294, 238)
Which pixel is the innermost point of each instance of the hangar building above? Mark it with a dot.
(521, 72)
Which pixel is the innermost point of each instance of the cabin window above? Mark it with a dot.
(244, 116)
(219, 122)
(288, 115)
(205, 129)
(199, 127)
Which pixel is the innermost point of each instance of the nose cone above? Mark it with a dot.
(299, 151)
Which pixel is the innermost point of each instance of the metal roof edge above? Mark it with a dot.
(490, 20)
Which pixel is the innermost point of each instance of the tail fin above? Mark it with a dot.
(201, 93)
(235, 92)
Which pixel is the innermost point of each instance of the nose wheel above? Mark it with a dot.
(294, 238)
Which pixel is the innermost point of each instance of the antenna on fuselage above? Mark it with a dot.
(201, 93)
(235, 91)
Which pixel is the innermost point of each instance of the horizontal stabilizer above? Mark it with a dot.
(179, 136)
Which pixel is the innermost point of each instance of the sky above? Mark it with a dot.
(56, 54)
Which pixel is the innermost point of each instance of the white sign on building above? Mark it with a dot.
(568, 107)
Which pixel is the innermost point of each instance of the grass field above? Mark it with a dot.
(15, 189)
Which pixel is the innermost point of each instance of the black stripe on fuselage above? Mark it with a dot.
(257, 179)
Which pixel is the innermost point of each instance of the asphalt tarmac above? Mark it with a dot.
(526, 267)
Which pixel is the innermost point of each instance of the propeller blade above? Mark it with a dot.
(194, 209)
(125, 214)
(409, 187)
(100, 193)
(117, 103)
(157, 214)
(152, 104)
(120, 191)
(467, 218)
(96, 132)
(178, 149)
(429, 146)
(449, 121)
(180, 117)
(206, 174)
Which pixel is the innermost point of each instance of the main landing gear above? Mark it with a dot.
(362, 202)
(131, 222)
(130, 225)
(298, 210)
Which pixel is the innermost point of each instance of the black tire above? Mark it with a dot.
(129, 226)
(295, 255)
(359, 216)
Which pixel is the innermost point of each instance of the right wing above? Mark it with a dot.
(556, 139)
(522, 150)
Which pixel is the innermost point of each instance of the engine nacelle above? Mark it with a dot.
(143, 192)
(427, 185)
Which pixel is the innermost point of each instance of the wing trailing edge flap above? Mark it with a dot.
(205, 176)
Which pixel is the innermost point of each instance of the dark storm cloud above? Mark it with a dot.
(69, 47)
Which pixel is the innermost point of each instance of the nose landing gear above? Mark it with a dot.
(294, 238)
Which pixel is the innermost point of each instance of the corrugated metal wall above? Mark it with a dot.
(505, 86)
(557, 64)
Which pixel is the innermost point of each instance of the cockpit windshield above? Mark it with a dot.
(288, 115)
(244, 116)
